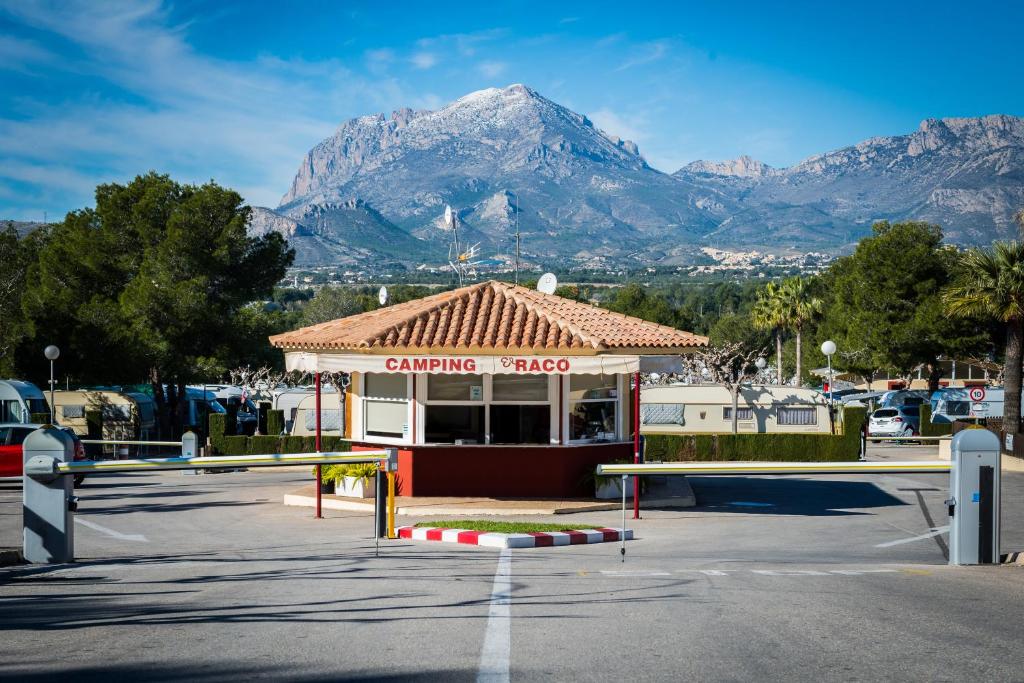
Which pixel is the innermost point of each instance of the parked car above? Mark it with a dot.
(12, 456)
(892, 421)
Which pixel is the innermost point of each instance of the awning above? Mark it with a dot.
(472, 365)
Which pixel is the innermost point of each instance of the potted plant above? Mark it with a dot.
(356, 481)
(329, 475)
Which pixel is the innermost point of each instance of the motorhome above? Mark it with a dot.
(19, 400)
(967, 404)
(707, 409)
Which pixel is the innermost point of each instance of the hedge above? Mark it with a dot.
(929, 428)
(262, 445)
(275, 422)
(760, 447)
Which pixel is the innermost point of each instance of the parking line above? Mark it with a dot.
(497, 649)
(934, 532)
(136, 538)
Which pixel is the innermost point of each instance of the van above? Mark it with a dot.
(19, 400)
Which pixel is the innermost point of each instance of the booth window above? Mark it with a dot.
(520, 410)
(593, 401)
(789, 415)
(741, 413)
(385, 405)
(455, 388)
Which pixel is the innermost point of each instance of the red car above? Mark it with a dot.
(12, 457)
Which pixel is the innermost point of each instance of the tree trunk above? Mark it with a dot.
(778, 356)
(1012, 376)
(735, 389)
(162, 416)
(799, 359)
(934, 375)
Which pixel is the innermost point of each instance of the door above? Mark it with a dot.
(10, 454)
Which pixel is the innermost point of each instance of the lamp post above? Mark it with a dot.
(52, 353)
(828, 348)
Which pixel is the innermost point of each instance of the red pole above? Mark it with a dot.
(636, 443)
(319, 480)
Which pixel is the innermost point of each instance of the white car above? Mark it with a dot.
(889, 422)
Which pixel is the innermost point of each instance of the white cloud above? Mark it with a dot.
(492, 69)
(424, 60)
(245, 124)
(651, 52)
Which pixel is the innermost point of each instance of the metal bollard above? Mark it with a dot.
(974, 498)
(380, 503)
(189, 448)
(48, 536)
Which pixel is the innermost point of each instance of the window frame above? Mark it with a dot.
(620, 393)
(360, 419)
(739, 413)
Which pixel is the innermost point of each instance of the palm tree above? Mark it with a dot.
(800, 307)
(769, 313)
(990, 283)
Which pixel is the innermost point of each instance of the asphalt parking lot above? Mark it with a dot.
(210, 577)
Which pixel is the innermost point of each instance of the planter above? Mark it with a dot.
(354, 487)
(609, 488)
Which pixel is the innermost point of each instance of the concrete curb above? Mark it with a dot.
(10, 556)
(498, 540)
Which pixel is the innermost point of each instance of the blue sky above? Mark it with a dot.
(95, 92)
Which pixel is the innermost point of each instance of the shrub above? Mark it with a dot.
(233, 445)
(759, 447)
(929, 428)
(275, 422)
(264, 445)
(217, 424)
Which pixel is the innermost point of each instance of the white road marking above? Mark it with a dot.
(736, 573)
(136, 538)
(633, 573)
(934, 532)
(497, 649)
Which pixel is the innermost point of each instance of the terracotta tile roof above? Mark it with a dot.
(490, 317)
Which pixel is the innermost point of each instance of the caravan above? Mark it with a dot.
(20, 400)
(707, 409)
(123, 415)
(967, 403)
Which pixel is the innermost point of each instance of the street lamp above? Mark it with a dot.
(52, 353)
(828, 348)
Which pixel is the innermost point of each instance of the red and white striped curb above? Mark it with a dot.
(497, 540)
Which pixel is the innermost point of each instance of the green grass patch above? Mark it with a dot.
(505, 527)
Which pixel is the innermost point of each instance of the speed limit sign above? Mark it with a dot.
(977, 394)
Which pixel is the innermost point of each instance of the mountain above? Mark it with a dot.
(378, 186)
(580, 190)
(965, 174)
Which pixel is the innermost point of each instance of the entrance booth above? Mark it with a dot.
(491, 389)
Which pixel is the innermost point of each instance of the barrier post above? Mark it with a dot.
(379, 503)
(974, 504)
(47, 501)
(189, 448)
(319, 478)
(392, 473)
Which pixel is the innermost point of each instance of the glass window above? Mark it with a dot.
(789, 415)
(592, 420)
(330, 420)
(18, 436)
(520, 423)
(119, 413)
(447, 424)
(661, 413)
(10, 411)
(72, 412)
(385, 386)
(38, 405)
(519, 388)
(455, 387)
(588, 387)
(386, 418)
(741, 413)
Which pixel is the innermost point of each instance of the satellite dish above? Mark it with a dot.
(547, 283)
(449, 217)
(382, 296)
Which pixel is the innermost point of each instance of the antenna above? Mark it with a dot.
(547, 283)
(382, 296)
